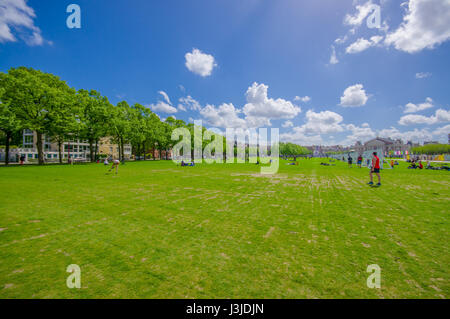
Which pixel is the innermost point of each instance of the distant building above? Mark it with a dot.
(74, 148)
(387, 145)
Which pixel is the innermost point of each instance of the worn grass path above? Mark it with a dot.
(223, 231)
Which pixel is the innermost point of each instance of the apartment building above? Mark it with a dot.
(73, 148)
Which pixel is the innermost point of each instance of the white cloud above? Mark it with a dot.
(440, 116)
(163, 106)
(189, 103)
(16, 19)
(414, 136)
(357, 19)
(442, 132)
(287, 124)
(354, 96)
(341, 40)
(425, 25)
(333, 57)
(165, 96)
(298, 136)
(304, 99)
(258, 112)
(324, 122)
(226, 115)
(358, 46)
(423, 75)
(260, 109)
(200, 63)
(358, 133)
(362, 44)
(414, 108)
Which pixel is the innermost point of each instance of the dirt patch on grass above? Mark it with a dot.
(271, 230)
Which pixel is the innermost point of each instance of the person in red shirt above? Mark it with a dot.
(375, 169)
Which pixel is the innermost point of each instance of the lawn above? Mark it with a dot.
(157, 230)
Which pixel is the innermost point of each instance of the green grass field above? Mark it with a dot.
(157, 230)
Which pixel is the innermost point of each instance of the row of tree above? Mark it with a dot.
(42, 102)
(293, 150)
(432, 149)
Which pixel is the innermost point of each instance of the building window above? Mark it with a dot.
(28, 139)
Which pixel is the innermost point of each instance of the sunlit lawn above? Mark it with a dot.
(157, 230)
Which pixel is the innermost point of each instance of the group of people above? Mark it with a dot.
(374, 168)
(415, 165)
(358, 163)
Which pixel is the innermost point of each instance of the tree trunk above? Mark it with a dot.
(121, 149)
(96, 149)
(59, 150)
(91, 150)
(143, 150)
(8, 138)
(39, 148)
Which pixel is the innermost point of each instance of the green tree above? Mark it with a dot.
(120, 125)
(94, 115)
(9, 124)
(34, 97)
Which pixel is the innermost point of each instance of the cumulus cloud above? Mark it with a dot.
(260, 109)
(257, 112)
(358, 133)
(354, 96)
(324, 122)
(414, 136)
(425, 25)
(414, 108)
(226, 115)
(298, 136)
(440, 116)
(423, 75)
(304, 99)
(200, 63)
(442, 132)
(17, 20)
(163, 106)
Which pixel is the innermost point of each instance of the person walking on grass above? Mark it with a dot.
(375, 169)
(360, 160)
(115, 164)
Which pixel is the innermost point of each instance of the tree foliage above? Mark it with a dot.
(432, 149)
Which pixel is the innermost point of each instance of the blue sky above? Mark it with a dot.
(238, 63)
